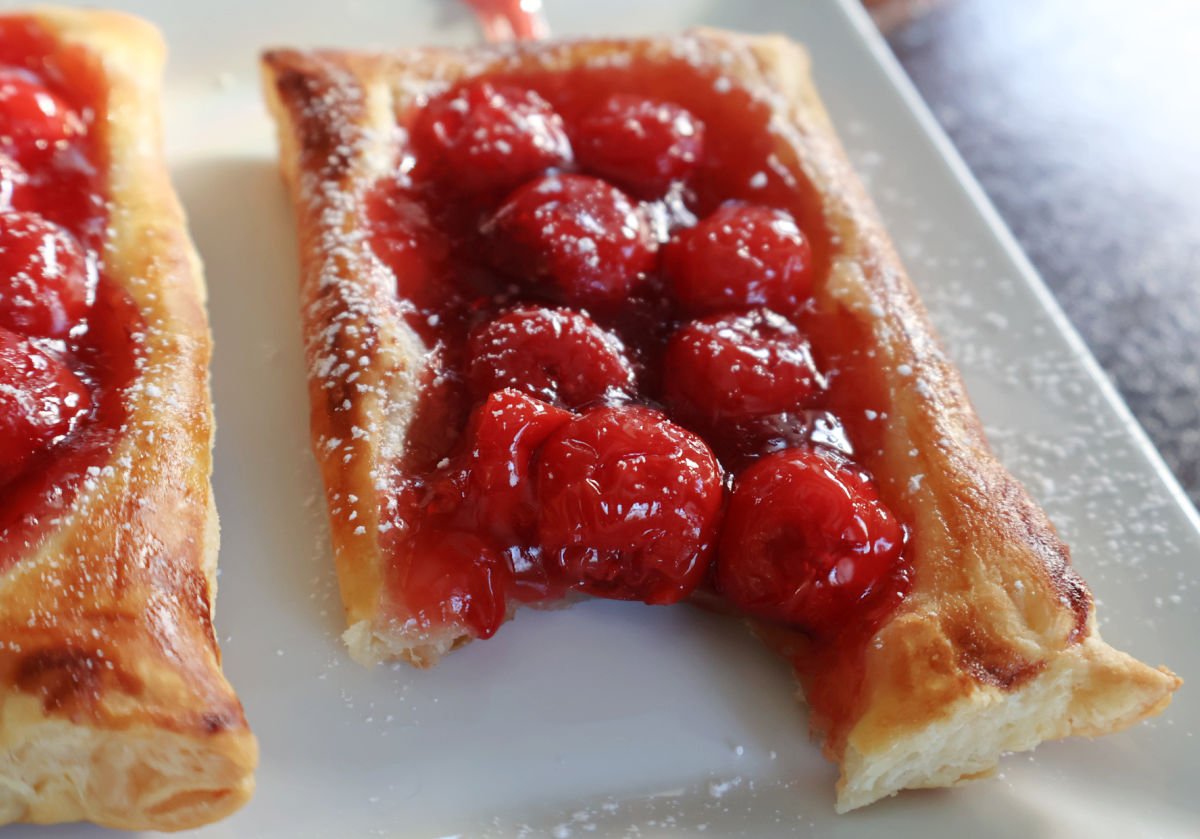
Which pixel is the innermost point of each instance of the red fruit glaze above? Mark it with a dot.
(740, 257)
(490, 486)
(735, 367)
(558, 355)
(41, 400)
(454, 577)
(32, 117)
(641, 144)
(45, 281)
(483, 495)
(806, 540)
(482, 137)
(406, 240)
(629, 505)
(572, 238)
(740, 443)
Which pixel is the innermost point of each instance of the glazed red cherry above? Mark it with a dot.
(32, 117)
(44, 276)
(740, 443)
(453, 578)
(629, 505)
(558, 355)
(64, 192)
(483, 137)
(494, 473)
(740, 257)
(806, 541)
(642, 144)
(734, 367)
(572, 238)
(40, 401)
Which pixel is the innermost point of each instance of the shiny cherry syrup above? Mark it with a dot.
(629, 392)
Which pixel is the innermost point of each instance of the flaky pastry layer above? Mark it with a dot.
(113, 706)
(994, 648)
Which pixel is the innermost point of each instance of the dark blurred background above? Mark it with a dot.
(1082, 122)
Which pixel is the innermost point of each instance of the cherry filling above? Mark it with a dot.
(41, 400)
(641, 144)
(558, 355)
(633, 393)
(805, 538)
(628, 505)
(741, 256)
(66, 345)
(34, 115)
(572, 238)
(730, 368)
(45, 282)
(495, 468)
(483, 137)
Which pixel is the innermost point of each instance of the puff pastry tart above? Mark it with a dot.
(615, 318)
(114, 708)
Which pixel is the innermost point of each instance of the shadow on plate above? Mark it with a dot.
(268, 492)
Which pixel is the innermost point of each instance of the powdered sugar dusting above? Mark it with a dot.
(1044, 416)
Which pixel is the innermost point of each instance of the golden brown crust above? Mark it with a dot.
(334, 136)
(115, 709)
(995, 647)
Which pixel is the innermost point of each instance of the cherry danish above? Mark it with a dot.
(623, 323)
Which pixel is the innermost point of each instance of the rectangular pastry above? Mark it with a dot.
(616, 318)
(115, 709)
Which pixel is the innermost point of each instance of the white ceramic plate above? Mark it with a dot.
(619, 719)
